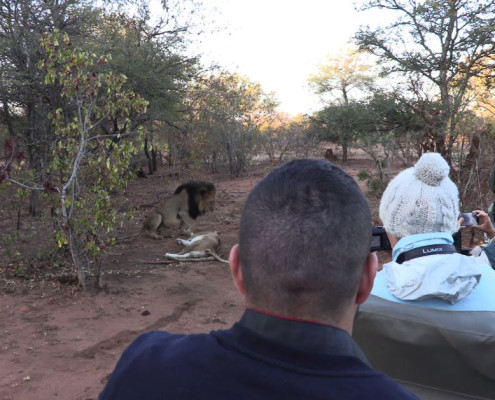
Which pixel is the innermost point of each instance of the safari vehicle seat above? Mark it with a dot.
(435, 353)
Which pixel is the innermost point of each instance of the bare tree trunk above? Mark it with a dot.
(76, 259)
(98, 274)
(38, 153)
(150, 161)
(345, 146)
(19, 214)
(153, 158)
(34, 201)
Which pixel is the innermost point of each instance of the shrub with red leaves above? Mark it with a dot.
(48, 187)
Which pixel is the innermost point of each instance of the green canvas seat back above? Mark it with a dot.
(442, 353)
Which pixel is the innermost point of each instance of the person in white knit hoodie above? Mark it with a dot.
(419, 210)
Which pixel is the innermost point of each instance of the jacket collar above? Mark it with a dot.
(419, 240)
(302, 335)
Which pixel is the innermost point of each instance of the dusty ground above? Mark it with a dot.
(58, 342)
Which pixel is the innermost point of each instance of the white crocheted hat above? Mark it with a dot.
(421, 199)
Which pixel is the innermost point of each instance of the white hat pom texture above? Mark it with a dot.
(421, 199)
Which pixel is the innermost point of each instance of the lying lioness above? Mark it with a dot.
(199, 246)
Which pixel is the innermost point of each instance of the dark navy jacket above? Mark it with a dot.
(261, 357)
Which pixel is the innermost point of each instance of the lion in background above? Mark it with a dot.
(188, 202)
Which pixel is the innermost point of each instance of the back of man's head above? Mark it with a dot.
(304, 237)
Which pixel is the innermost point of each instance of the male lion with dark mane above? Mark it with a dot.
(189, 201)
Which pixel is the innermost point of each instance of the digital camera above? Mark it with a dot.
(470, 219)
(379, 239)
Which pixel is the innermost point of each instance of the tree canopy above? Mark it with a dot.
(438, 46)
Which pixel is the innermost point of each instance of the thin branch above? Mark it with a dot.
(25, 186)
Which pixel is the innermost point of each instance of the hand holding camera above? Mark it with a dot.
(478, 219)
(468, 219)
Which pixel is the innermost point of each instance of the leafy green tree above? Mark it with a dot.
(440, 46)
(150, 51)
(25, 100)
(335, 81)
(340, 75)
(228, 112)
(381, 125)
(401, 124)
(88, 161)
(342, 123)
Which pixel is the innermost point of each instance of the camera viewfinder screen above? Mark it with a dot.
(375, 241)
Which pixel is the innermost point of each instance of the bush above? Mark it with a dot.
(376, 186)
(364, 174)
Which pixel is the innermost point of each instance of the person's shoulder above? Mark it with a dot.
(152, 339)
(155, 342)
(149, 346)
(155, 348)
(387, 388)
(370, 383)
(152, 356)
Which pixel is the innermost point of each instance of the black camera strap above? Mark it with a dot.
(426, 251)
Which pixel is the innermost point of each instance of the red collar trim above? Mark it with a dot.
(290, 318)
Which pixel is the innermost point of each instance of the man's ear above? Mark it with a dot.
(235, 269)
(367, 278)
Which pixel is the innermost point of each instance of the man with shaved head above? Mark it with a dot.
(303, 265)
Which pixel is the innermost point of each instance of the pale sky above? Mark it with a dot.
(280, 43)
